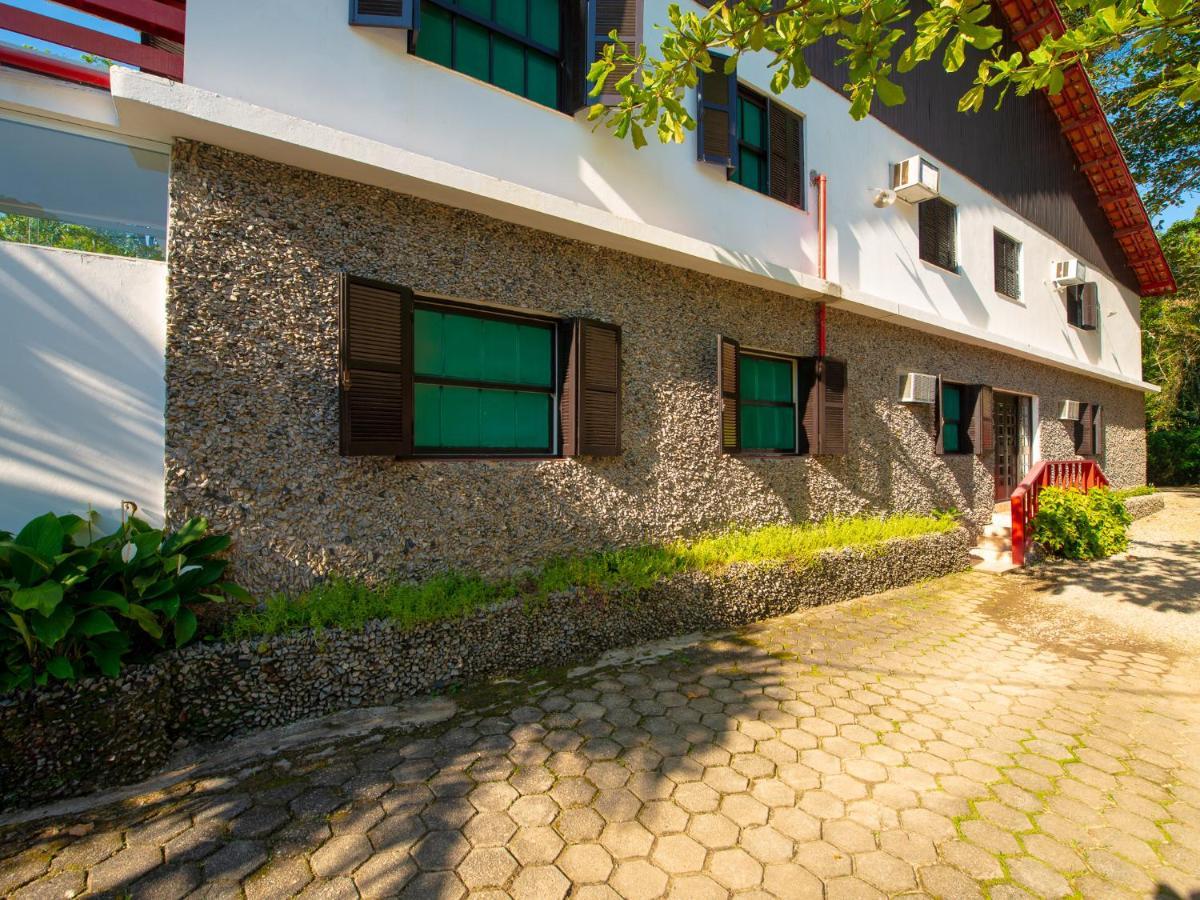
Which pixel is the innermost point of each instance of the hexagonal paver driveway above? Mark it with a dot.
(953, 739)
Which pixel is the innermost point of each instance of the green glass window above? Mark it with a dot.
(513, 44)
(952, 405)
(481, 383)
(751, 170)
(767, 403)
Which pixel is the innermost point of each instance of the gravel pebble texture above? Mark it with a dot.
(256, 251)
(74, 738)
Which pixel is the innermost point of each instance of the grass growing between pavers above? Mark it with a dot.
(347, 604)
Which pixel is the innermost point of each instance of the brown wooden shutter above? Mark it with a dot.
(1089, 302)
(939, 420)
(605, 16)
(936, 225)
(375, 381)
(388, 13)
(787, 155)
(1085, 433)
(590, 407)
(808, 389)
(727, 381)
(1098, 424)
(981, 432)
(831, 407)
(1007, 263)
(716, 115)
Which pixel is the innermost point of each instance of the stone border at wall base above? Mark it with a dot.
(74, 738)
(1144, 505)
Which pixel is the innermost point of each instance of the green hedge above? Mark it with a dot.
(1173, 457)
(1075, 525)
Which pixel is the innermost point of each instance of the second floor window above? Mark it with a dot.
(937, 233)
(770, 148)
(1007, 261)
(513, 44)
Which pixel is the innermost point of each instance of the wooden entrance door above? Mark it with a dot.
(1008, 445)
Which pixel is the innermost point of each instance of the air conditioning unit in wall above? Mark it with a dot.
(1069, 410)
(1068, 272)
(918, 388)
(915, 179)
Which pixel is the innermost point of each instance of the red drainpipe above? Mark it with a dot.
(822, 266)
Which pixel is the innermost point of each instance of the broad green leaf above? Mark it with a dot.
(237, 592)
(110, 599)
(94, 622)
(44, 536)
(22, 629)
(889, 92)
(146, 619)
(43, 597)
(955, 55)
(108, 659)
(60, 667)
(185, 627)
(51, 629)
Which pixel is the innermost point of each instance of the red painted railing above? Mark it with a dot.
(1081, 474)
(161, 23)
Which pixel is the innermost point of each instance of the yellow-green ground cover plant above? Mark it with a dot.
(1073, 524)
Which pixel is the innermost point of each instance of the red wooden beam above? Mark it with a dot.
(149, 16)
(44, 64)
(148, 59)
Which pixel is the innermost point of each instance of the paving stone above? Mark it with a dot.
(638, 879)
(123, 868)
(536, 845)
(236, 860)
(540, 883)
(341, 855)
(64, 884)
(278, 878)
(586, 863)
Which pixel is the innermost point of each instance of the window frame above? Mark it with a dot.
(794, 363)
(954, 268)
(963, 421)
(552, 325)
(562, 56)
(765, 104)
(999, 236)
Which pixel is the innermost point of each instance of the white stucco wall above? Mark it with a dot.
(361, 80)
(81, 383)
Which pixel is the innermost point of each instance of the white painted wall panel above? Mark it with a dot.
(81, 383)
(361, 80)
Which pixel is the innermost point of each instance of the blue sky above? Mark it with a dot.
(1184, 209)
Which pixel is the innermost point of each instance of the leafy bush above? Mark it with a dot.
(341, 603)
(1141, 490)
(1173, 457)
(71, 605)
(1075, 525)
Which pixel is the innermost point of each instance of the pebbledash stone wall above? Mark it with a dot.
(69, 739)
(256, 250)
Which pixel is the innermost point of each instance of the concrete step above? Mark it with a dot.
(1004, 531)
(1002, 520)
(991, 561)
(1002, 543)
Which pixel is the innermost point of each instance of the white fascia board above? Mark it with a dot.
(161, 109)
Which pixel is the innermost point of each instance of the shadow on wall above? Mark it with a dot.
(81, 384)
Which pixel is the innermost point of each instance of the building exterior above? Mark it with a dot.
(412, 312)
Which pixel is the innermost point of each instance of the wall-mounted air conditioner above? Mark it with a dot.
(1068, 272)
(915, 179)
(1069, 410)
(918, 388)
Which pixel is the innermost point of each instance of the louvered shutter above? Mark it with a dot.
(1074, 306)
(604, 17)
(1098, 427)
(939, 420)
(727, 381)
(831, 407)
(981, 432)
(376, 371)
(808, 388)
(388, 13)
(936, 233)
(1085, 433)
(1007, 261)
(1089, 306)
(591, 397)
(716, 115)
(787, 155)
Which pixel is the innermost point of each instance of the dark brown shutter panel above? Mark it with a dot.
(568, 404)
(787, 162)
(1007, 262)
(808, 390)
(1098, 424)
(939, 420)
(716, 115)
(1089, 306)
(1085, 433)
(831, 407)
(981, 432)
(376, 370)
(727, 381)
(935, 233)
(605, 16)
(591, 410)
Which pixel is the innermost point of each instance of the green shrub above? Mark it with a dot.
(1173, 457)
(72, 605)
(1075, 525)
(1141, 490)
(340, 603)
